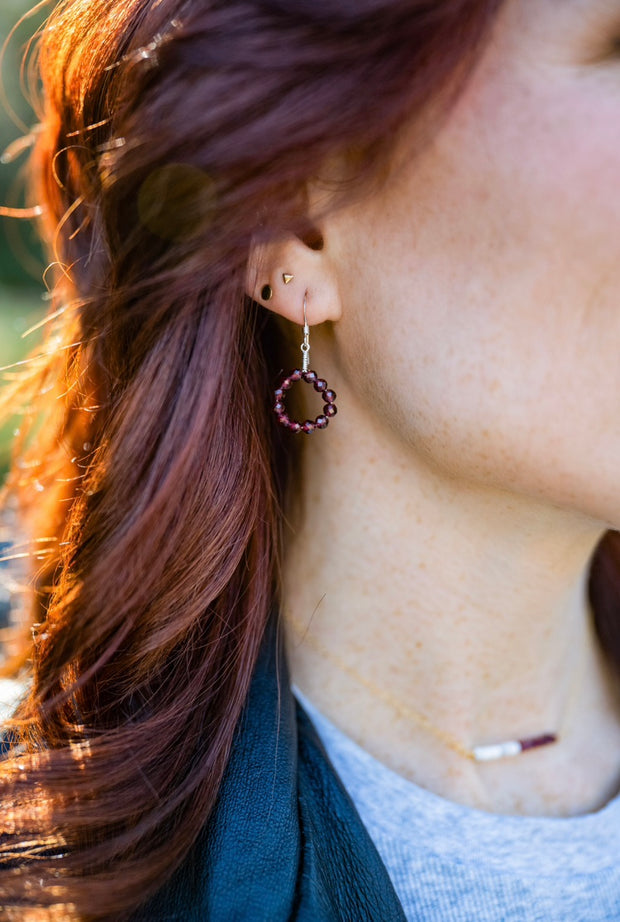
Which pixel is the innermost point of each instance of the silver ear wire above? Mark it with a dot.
(305, 346)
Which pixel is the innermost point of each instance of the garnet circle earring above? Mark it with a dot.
(310, 377)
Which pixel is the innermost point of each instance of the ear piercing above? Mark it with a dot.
(310, 377)
(266, 291)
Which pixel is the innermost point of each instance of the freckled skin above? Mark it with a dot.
(473, 465)
(499, 280)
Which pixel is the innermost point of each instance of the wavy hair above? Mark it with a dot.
(150, 473)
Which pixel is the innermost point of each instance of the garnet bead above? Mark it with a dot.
(308, 426)
(533, 742)
(296, 375)
(310, 376)
(320, 384)
(294, 426)
(321, 421)
(329, 396)
(330, 409)
(284, 420)
(279, 407)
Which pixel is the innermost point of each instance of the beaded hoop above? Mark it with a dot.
(320, 384)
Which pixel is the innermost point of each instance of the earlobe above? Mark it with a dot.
(281, 274)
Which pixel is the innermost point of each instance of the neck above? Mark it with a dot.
(466, 604)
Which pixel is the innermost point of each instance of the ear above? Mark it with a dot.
(312, 278)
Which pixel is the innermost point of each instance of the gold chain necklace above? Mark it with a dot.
(484, 753)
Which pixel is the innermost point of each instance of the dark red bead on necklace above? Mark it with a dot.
(533, 742)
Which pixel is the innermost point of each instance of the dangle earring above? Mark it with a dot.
(310, 377)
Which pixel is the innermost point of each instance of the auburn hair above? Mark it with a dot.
(149, 472)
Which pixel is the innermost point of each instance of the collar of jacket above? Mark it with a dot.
(285, 842)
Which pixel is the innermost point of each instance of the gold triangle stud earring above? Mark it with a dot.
(286, 278)
(310, 377)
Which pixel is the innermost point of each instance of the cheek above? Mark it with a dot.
(455, 393)
(493, 333)
(494, 411)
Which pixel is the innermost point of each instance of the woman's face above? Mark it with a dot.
(480, 288)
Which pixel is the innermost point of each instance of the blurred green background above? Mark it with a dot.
(21, 262)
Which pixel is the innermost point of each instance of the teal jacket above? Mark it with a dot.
(285, 841)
